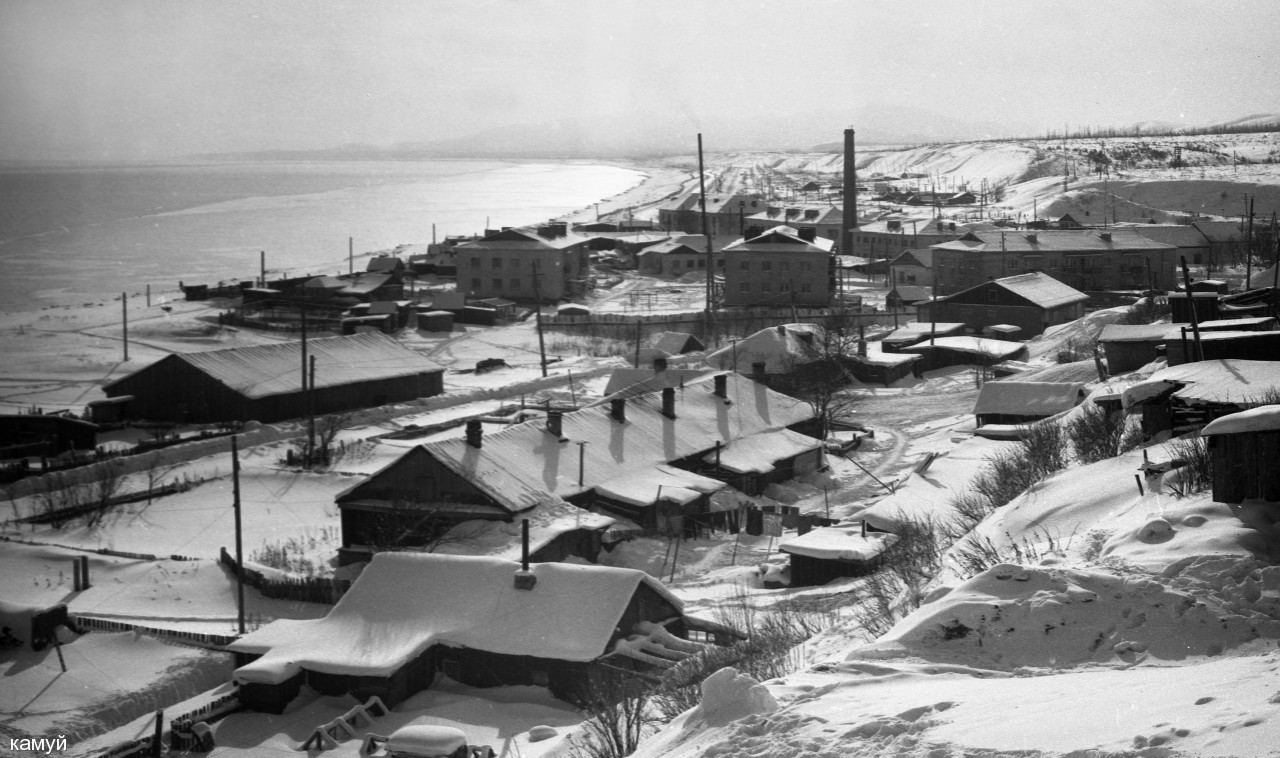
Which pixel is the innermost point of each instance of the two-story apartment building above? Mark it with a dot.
(726, 213)
(1086, 259)
(826, 219)
(782, 266)
(887, 238)
(544, 263)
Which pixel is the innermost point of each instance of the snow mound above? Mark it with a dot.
(728, 696)
(1011, 616)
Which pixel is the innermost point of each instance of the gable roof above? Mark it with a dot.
(265, 370)
(1027, 398)
(522, 238)
(1224, 380)
(1179, 235)
(677, 343)
(403, 603)
(781, 348)
(1133, 333)
(1036, 287)
(526, 457)
(780, 239)
(922, 257)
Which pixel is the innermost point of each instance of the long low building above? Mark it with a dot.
(264, 382)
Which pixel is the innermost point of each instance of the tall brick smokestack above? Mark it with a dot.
(850, 195)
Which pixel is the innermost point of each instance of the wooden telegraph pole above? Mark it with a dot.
(711, 271)
(537, 304)
(124, 310)
(235, 489)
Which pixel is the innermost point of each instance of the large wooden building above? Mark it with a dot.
(264, 382)
(1033, 302)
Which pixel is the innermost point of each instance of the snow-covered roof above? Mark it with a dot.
(1027, 398)
(758, 453)
(646, 486)
(781, 348)
(403, 603)
(1036, 287)
(1238, 323)
(780, 239)
(502, 539)
(265, 370)
(1264, 418)
(974, 345)
(525, 456)
(1133, 332)
(677, 342)
(630, 382)
(1225, 380)
(914, 330)
(1055, 241)
(842, 542)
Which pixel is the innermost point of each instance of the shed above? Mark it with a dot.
(913, 333)
(264, 382)
(573, 309)
(404, 619)
(1129, 347)
(1244, 345)
(1007, 332)
(384, 323)
(831, 552)
(24, 434)
(951, 351)
(677, 343)
(1033, 301)
(473, 314)
(1004, 402)
(109, 411)
(1207, 306)
(1188, 396)
(435, 321)
(1245, 447)
(906, 294)
(882, 367)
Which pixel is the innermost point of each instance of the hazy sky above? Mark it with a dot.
(122, 79)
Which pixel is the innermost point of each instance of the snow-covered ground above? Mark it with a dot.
(1146, 626)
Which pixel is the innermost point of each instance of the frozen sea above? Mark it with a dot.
(75, 234)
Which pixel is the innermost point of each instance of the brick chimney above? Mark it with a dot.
(722, 385)
(555, 422)
(618, 410)
(669, 402)
(475, 430)
(659, 365)
(757, 370)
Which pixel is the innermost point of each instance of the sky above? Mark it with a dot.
(141, 79)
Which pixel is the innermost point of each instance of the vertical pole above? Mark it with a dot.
(351, 255)
(84, 573)
(262, 266)
(148, 295)
(155, 737)
(124, 312)
(702, 188)
(311, 411)
(675, 561)
(1248, 249)
(304, 341)
(537, 304)
(235, 494)
(433, 234)
(1195, 322)
(637, 343)
(582, 455)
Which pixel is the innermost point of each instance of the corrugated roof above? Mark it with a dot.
(264, 370)
(1027, 398)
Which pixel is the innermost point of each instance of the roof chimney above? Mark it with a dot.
(618, 410)
(722, 385)
(475, 430)
(525, 580)
(659, 365)
(1106, 236)
(1031, 238)
(669, 402)
(555, 422)
(757, 370)
(808, 233)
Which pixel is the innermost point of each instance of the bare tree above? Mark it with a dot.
(157, 469)
(103, 489)
(821, 377)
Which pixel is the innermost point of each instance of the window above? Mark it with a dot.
(785, 265)
(992, 295)
(475, 261)
(497, 284)
(744, 287)
(766, 287)
(720, 263)
(497, 262)
(766, 265)
(784, 287)
(744, 265)
(675, 265)
(806, 288)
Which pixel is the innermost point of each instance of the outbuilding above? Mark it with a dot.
(832, 552)
(1004, 402)
(1245, 447)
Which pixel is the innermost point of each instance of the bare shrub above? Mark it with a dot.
(1146, 311)
(1097, 434)
(1075, 349)
(976, 554)
(1197, 473)
(619, 717)
(1044, 446)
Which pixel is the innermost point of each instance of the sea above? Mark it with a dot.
(72, 234)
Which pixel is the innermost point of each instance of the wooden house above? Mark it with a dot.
(916, 332)
(1245, 447)
(1129, 347)
(264, 382)
(481, 621)
(1005, 402)
(44, 434)
(1184, 398)
(941, 352)
(1033, 301)
(833, 552)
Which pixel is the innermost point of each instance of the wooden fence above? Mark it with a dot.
(628, 327)
(311, 589)
(194, 639)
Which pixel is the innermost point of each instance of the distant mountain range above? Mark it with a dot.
(656, 133)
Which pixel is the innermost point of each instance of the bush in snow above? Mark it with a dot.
(898, 588)
(975, 554)
(619, 716)
(1098, 434)
(1197, 474)
(1145, 311)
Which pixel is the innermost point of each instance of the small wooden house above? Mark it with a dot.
(1004, 402)
(832, 552)
(1034, 302)
(481, 621)
(1245, 447)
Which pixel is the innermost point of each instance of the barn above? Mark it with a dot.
(1033, 301)
(264, 382)
(1245, 447)
(481, 621)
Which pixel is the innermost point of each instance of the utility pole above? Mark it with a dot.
(262, 266)
(311, 414)
(235, 490)
(124, 310)
(1191, 300)
(351, 255)
(537, 304)
(1248, 249)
